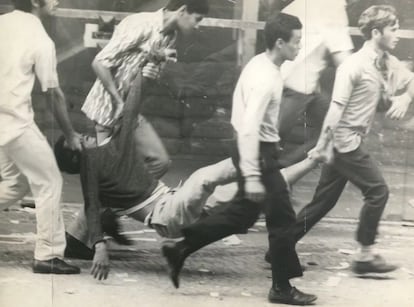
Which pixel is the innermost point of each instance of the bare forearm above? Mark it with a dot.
(57, 104)
(105, 76)
(332, 119)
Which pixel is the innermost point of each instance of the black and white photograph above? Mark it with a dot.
(206, 153)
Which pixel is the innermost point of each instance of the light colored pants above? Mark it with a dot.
(13, 184)
(177, 208)
(31, 154)
(183, 206)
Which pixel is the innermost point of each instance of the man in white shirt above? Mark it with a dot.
(325, 38)
(256, 103)
(27, 51)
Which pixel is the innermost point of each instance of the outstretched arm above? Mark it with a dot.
(90, 189)
(57, 104)
(401, 103)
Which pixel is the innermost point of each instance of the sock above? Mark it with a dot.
(283, 285)
(364, 254)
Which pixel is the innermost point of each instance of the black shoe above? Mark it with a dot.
(174, 252)
(112, 227)
(76, 249)
(54, 266)
(290, 297)
(377, 265)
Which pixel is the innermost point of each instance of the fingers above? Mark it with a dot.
(151, 71)
(100, 271)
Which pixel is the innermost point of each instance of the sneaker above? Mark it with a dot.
(377, 265)
(290, 297)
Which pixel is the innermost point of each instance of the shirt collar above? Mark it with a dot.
(372, 54)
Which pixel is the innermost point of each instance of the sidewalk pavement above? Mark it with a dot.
(227, 273)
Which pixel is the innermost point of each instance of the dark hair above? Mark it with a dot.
(193, 6)
(280, 25)
(377, 17)
(23, 5)
(26, 5)
(67, 160)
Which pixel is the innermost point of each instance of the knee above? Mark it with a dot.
(379, 194)
(53, 181)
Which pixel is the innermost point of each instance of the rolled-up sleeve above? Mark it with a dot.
(345, 79)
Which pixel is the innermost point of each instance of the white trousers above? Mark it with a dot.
(30, 156)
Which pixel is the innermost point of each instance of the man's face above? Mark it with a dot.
(187, 22)
(47, 7)
(389, 38)
(290, 49)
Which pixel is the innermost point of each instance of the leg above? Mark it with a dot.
(235, 218)
(280, 217)
(33, 156)
(361, 170)
(185, 205)
(13, 185)
(330, 187)
(150, 147)
(364, 173)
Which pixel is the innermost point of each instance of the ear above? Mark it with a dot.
(375, 32)
(279, 43)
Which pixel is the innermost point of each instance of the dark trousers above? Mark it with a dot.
(360, 169)
(242, 213)
(313, 108)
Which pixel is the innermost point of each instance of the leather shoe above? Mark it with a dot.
(175, 254)
(54, 266)
(376, 265)
(292, 296)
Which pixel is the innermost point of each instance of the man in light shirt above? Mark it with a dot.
(136, 38)
(367, 77)
(255, 117)
(26, 158)
(325, 39)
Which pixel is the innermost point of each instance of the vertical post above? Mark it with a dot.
(247, 37)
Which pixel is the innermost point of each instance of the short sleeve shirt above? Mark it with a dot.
(358, 86)
(133, 38)
(26, 52)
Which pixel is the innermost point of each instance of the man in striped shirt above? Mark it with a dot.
(136, 40)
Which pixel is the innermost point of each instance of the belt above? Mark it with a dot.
(160, 190)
